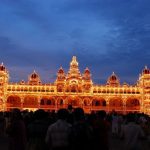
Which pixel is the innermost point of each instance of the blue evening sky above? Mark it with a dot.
(105, 35)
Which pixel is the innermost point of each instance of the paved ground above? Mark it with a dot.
(115, 144)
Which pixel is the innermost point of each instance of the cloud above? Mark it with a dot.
(105, 35)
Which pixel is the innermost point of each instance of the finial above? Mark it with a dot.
(74, 58)
(146, 67)
(74, 61)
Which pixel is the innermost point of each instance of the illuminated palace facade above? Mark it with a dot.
(76, 89)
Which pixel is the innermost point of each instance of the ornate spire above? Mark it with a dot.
(2, 67)
(74, 61)
(61, 70)
(87, 70)
(60, 74)
(146, 70)
(74, 70)
(87, 74)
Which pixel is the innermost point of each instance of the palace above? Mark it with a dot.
(76, 89)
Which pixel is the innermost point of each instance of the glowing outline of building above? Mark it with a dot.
(77, 90)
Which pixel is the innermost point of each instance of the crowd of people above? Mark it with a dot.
(72, 129)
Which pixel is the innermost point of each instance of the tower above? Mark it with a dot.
(73, 70)
(60, 81)
(87, 82)
(144, 84)
(144, 78)
(4, 78)
(73, 77)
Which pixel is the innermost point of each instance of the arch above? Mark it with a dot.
(34, 89)
(52, 101)
(86, 102)
(30, 102)
(121, 91)
(47, 89)
(52, 89)
(18, 88)
(94, 90)
(13, 89)
(132, 102)
(25, 89)
(104, 91)
(99, 102)
(43, 101)
(103, 103)
(30, 89)
(116, 90)
(43, 89)
(75, 102)
(116, 104)
(49, 102)
(73, 88)
(13, 102)
(60, 101)
(99, 90)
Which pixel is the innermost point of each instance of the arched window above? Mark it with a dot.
(48, 102)
(103, 103)
(42, 102)
(97, 103)
(61, 102)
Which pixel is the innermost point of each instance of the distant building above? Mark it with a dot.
(76, 89)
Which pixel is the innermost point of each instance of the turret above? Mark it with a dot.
(113, 80)
(22, 82)
(60, 74)
(144, 78)
(4, 79)
(34, 79)
(87, 82)
(60, 80)
(87, 74)
(4, 75)
(145, 71)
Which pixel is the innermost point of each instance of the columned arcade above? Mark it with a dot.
(76, 89)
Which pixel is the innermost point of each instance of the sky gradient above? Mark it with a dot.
(105, 35)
